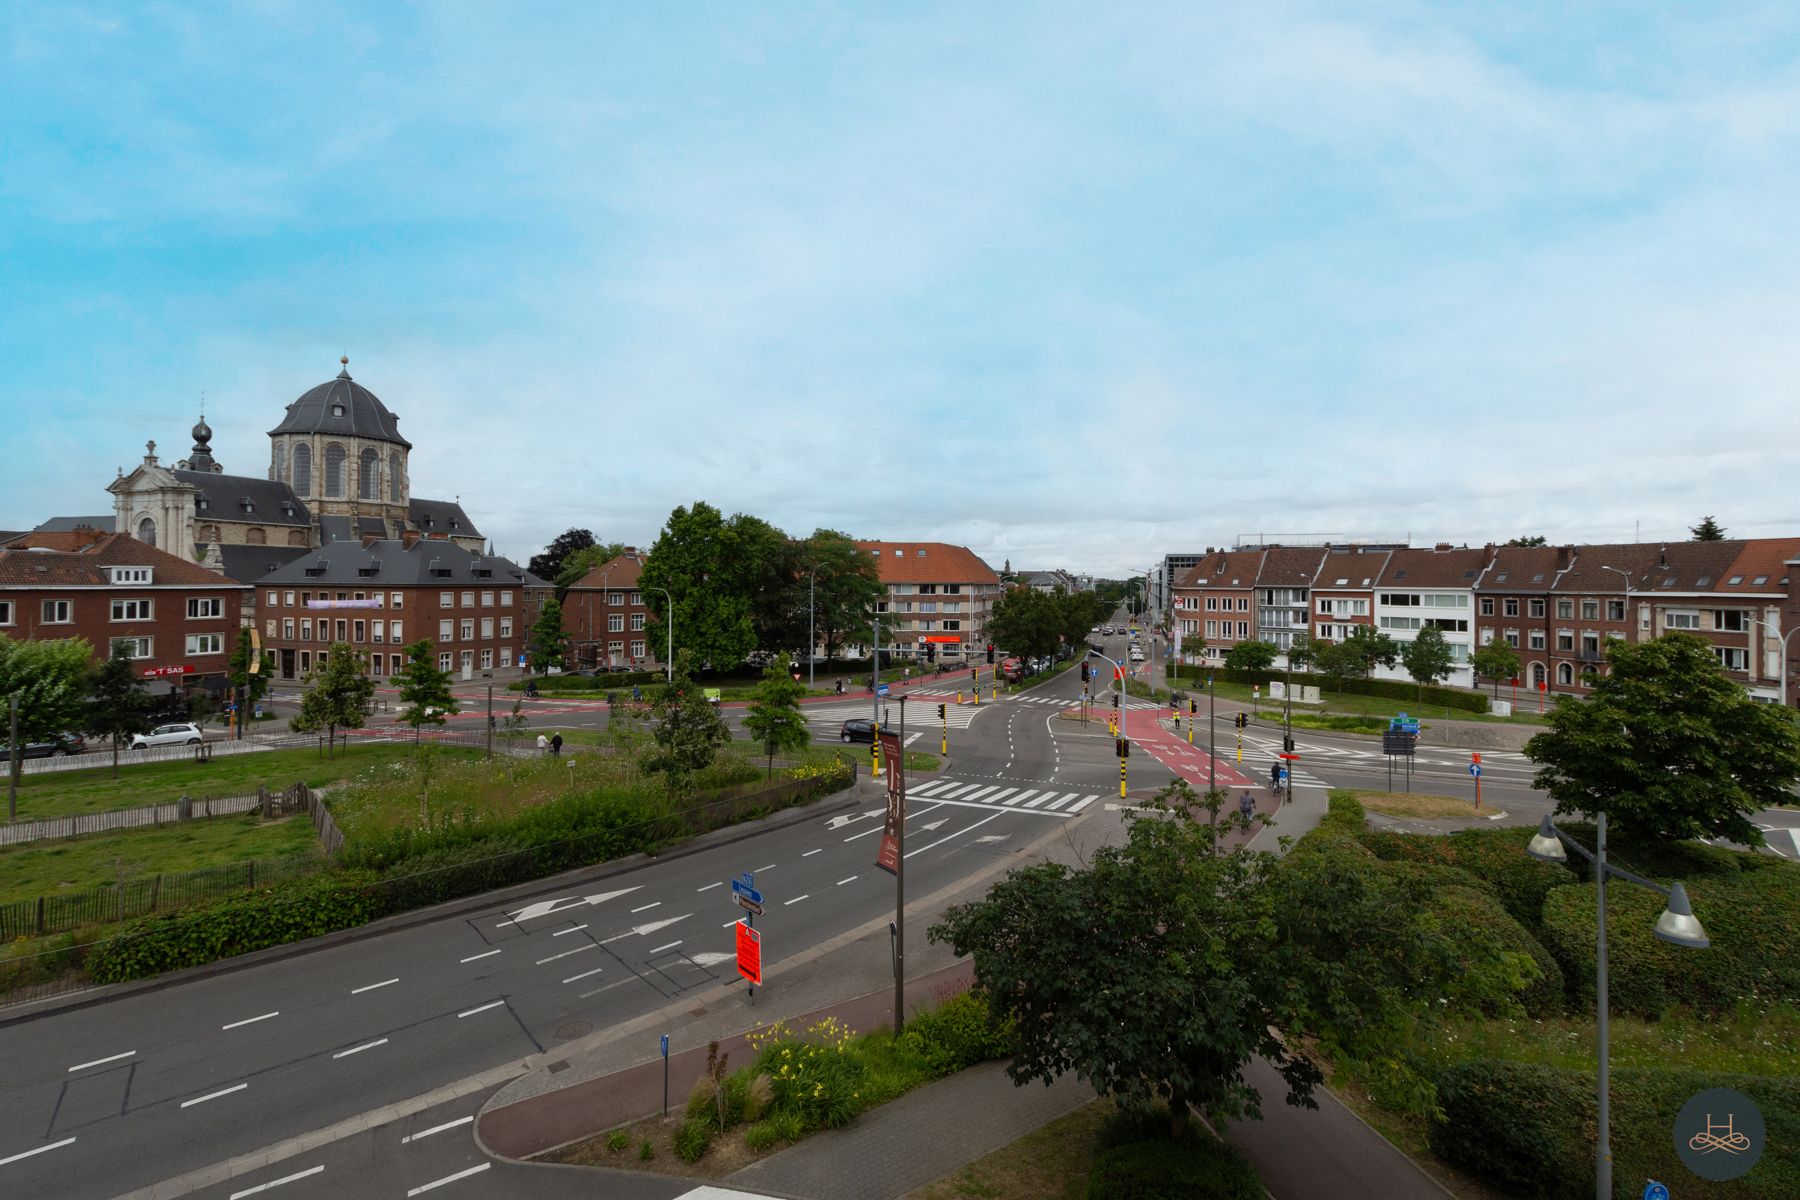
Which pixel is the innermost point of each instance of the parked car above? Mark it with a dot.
(55, 746)
(857, 730)
(184, 733)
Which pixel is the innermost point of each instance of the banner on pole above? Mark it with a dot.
(888, 857)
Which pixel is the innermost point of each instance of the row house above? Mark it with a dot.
(938, 595)
(1343, 592)
(380, 595)
(1433, 588)
(1273, 593)
(177, 620)
(608, 623)
(1284, 593)
(1216, 599)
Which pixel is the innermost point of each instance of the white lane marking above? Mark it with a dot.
(842, 882)
(565, 953)
(1038, 801)
(760, 870)
(98, 1061)
(369, 987)
(436, 1183)
(1001, 797)
(214, 1095)
(425, 1133)
(991, 837)
(483, 1008)
(809, 854)
(483, 954)
(660, 949)
(728, 924)
(641, 930)
(1082, 803)
(503, 924)
(263, 1187)
(711, 958)
(795, 900)
(28, 1153)
(544, 908)
(958, 833)
(646, 908)
(976, 795)
(361, 1048)
(251, 1020)
(913, 737)
(865, 833)
(584, 974)
(709, 887)
(575, 929)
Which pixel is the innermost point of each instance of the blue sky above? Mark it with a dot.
(1072, 284)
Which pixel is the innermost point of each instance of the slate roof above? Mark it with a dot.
(1421, 567)
(620, 571)
(1522, 569)
(364, 415)
(63, 524)
(440, 516)
(272, 502)
(928, 562)
(63, 568)
(392, 563)
(335, 528)
(248, 564)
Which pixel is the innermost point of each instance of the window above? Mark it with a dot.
(6, 612)
(446, 599)
(505, 627)
(132, 610)
(1565, 674)
(303, 470)
(487, 628)
(368, 476)
(1512, 606)
(399, 600)
(928, 589)
(1681, 620)
(203, 607)
(359, 631)
(505, 599)
(637, 649)
(1732, 658)
(615, 598)
(1484, 636)
(147, 532)
(928, 606)
(57, 612)
(376, 630)
(637, 599)
(487, 599)
(444, 660)
(1487, 605)
(446, 630)
(375, 664)
(1243, 629)
(1537, 607)
(1730, 619)
(468, 629)
(1537, 639)
(1615, 610)
(949, 625)
(506, 656)
(135, 647)
(306, 629)
(468, 599)
(1565, 609)
(1212, 604)
(394, 477)
(487, 659)
(1590, 610)
(269, 628)
(394, 634)
(637, 622)
(1512, 638)
(274, 599)
(1212, 629)
(615, 623)
(334, 469)
(205, 643)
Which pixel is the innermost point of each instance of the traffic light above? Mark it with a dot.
(1287, 745)
(940, 712)
(1115, 699)
(990, 652)
(930, 651)
(975, 673)
(1085, 671)
(1242, 720)
(1122, 746)
(1193, 707)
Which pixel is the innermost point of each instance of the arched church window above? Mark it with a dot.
(368, 476)
(147, 531)
(334, 469)
(394, 476)
(303, 469)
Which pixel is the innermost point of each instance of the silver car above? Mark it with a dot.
(184, 733)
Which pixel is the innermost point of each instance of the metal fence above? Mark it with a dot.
(101, 756)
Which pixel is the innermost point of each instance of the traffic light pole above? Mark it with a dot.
(1119, 668)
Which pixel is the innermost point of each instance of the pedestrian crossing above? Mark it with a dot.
(1000, 794)
(1265, 749)
(827, 717)
(1055, 701)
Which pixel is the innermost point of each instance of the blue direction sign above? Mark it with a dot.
(882, 690)
(746, 891)
(1475, 770)
(1404, 724)
(1655, 1191)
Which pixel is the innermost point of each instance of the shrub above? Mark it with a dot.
(702, 1099)
(692, 1139)
(646, 1151)
(1492, 949)
(757, 1096)
(1393, 689)
(814, 1081)
(761, 1136)
(1165, 1170)
(1495, 857)
(617, 1140)
(958, 1033)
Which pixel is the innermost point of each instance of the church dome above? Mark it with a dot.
(342, 407)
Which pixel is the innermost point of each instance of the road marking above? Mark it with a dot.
(503, 924)
(973, 796)
(1001, 797)
(1081, 803)
(709, 887)
(760, 870)
(214, 1095)
(660, 949)
(28, 1153)
(576, 929)
(842, 882)
(565, 954)
(483, 1008)
(728, 924)
(425, 1133)
(646, 907)
(1034, 803)
(641, 930)
(483, 954)
(437, 1183)
(372, 986)
(263, 1187)
(865, 833)
(795, 900)
(250, 1020)
(545, 908)
(947, 837)
(99, 1061)
(584, 974)
(361, 1048)
(809, 854)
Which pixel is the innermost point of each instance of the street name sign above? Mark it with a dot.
(745, 891)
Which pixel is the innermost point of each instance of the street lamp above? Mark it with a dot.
(1124, 694)
(1627, 577)
(1782, 682)
(812, 608)
(670, 665)
(1676, 925)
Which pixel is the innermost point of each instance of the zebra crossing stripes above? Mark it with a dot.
(1017, 797)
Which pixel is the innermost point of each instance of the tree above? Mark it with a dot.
(1536, 539)
(771, 573)
(118, 705)
(1176, 966)
(1668, 746)
(688, 730)
(337, 696)
(548, 565)
(50, 679)
(1708, 530)
(774, 716)
(424, 689)
(1303, 652)
(846, 587)
(1495, 661)
(1427, 658)
(1373, 648)
(1340, 662)
(579, 562)
(250, 685)
(696, 559)
(547, 643)
(1251, 656)
(1026, 621)
(1194, 645)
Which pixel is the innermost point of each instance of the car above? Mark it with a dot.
(856, 729)
(1107, 632)
(55, 746)
(183, 733)
(1137, 655)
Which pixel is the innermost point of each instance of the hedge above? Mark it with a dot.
(1202, 1166)
(1478, 925)
(1395, 689)
(958, 1033)
(1494, 856)
(1527, 1129)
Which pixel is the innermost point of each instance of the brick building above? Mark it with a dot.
(608, 623)
(938, 591)
(178, 618)
(1217, 599)
(1343, 593)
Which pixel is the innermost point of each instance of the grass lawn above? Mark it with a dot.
(62, 793)
(1413, 804)
(45, 868)
(1051, 1163)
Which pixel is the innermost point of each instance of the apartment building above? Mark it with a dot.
(608, 623)
(1343, 592)
(1284, 593)
(938, 595)
(1216, 599)
(1431, 588)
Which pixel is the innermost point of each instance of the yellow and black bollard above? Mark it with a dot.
(875, 749)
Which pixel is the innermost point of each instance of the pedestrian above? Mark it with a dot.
(543, 743)
(905, 676)
(556, 743)
(840, 685)
(637, 693)
(1274, 777)
(1247, 805)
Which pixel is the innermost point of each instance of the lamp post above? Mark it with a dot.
(1627, 577)
(812, 608)
(670, 664)
(1123, 694)
(1782, 682)
(1676, 925)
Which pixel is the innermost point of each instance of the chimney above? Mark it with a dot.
(1441, 546)
(1563, 555)
(409, 538)
(369, 539)
(87, 535)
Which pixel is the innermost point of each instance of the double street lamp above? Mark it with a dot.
(1782, 683)
(1676, 925)
(670, 664)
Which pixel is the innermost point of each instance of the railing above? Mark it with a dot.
(126, 818)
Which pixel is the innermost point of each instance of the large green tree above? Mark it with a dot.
(1339, 662)
(1303, 652)
(846, 587)
(1251, 656)
(424, 689)
(1536, 539)
(1669, 746)
(1495, 661)
(337, 696)
(1193, 645)
(117, 705)
(50, 680)
(698, 560)
(1373, 648)
(1427, 658)
(248, 674)
(687, 730)
(1026, 621)
(579, 562)
(774, 716)
(547, 642)
(548, 565)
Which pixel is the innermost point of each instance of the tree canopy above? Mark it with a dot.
(1708, 530)
(1373, 648)
(50, 678)
(1495, 661)
(774, 717)
(547, 643)
(549, 564)
(424, 689)
(703, 564)
(579, 562)
(846, 587)
(1251, 656)
(337, 696)
(117, 706)
(1427, 657)
(1669, 746)
(1536, 539)
(688, 729)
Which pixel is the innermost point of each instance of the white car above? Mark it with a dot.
(1137, 654)
(183, 734)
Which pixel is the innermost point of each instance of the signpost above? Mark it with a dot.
(882, 691)
(1400, 739)
(665, 1058)
(1475, 770)
(749, 954)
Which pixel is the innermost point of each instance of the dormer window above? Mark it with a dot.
(202, 504)
(337, 410)
(131, 574)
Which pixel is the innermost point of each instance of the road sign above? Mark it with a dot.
(1475, 770)
(1294, 757)
(665, 1045)
(753, 907)
(749, 954)
(744, 890)
(748, 879)
(1655, 1191)
(1396, 741)
(882, 690)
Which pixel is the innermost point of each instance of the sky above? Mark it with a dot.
(1074, 285)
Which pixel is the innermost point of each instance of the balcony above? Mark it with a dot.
(1590, 656)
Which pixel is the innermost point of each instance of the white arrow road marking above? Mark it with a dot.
(544, 908)
(712, 958)
(932, 825)
(992, 837)
(640, 930)
(838, 822)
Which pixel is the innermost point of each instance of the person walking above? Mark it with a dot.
(556, 743)
(543, 743)
(1275, 777)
